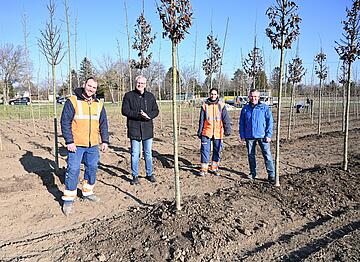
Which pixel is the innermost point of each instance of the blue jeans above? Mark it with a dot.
(265, 150)
(135, 155)
(206, 147)
(87, 155)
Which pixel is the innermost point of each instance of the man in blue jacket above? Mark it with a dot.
(256, 126)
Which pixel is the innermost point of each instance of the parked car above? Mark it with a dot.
(20, 101)
(61, 100)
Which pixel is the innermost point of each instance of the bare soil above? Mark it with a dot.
(313, 216)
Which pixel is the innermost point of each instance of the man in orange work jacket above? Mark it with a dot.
(214, 122)
(83, 122)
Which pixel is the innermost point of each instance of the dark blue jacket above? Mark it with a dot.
(68, 114)
(256, 122)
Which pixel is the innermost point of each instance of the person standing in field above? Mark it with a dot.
(255, 127)
(140, 108)
(214, 123)
(84, 126)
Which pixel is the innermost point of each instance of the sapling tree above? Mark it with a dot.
(212, 63)
(142, 41)
(349, 51)
(51, 47)
(176, 17)
(296, 72)
(283, 30)
(321, 72)
(254, 64)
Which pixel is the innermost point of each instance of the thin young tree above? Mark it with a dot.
(68, 43)
(222, 55)
(51, 47)
(296, 72)
(254, 64)
(349, 51)
(211, 65)
(27, 64)
(176, 17)
(129, 47)
(321, 72)
(283, 30)
(142, 42)
(342, 81)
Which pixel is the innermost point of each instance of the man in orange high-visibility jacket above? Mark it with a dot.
(83, 122)
(214, 123)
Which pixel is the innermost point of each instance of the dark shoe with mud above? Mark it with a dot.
(67, 208)
(134, 181)
(214, 172)
(271, 179)
(152, 178)
(92, 198)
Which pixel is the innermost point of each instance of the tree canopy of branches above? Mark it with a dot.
(176, 17)
(142, 41)
(212, 64)
(12, 67)
(51, 46)
(283, 29)
(349, 51)
(253, 64)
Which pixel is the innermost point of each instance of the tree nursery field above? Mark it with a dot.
(313, 216)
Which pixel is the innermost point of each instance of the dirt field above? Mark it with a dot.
(313, 216)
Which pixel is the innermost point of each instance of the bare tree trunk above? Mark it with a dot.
(291, 111)
(175, 135)
(159, 88)
(278, 117)
(320, 108)
(344, 108)
(129, 47)
(222, 55)
(68, 44)
(347, 115)
(26, 34)
(56, 151)
(193, 85)
(75, 48)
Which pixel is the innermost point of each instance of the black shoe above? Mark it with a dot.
(151, 178)
(135, 181)
(271, 179)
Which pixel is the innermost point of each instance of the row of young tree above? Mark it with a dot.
(176, 17)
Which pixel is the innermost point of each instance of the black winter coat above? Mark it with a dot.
(138, 127)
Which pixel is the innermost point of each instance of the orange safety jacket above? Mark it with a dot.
(213, 124)
(85, 125)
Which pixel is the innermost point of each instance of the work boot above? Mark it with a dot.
(135, 180)
(202, 173)
(92, 198)
(67, 208)
(151, 178)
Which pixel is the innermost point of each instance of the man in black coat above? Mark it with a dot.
(140, 108)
